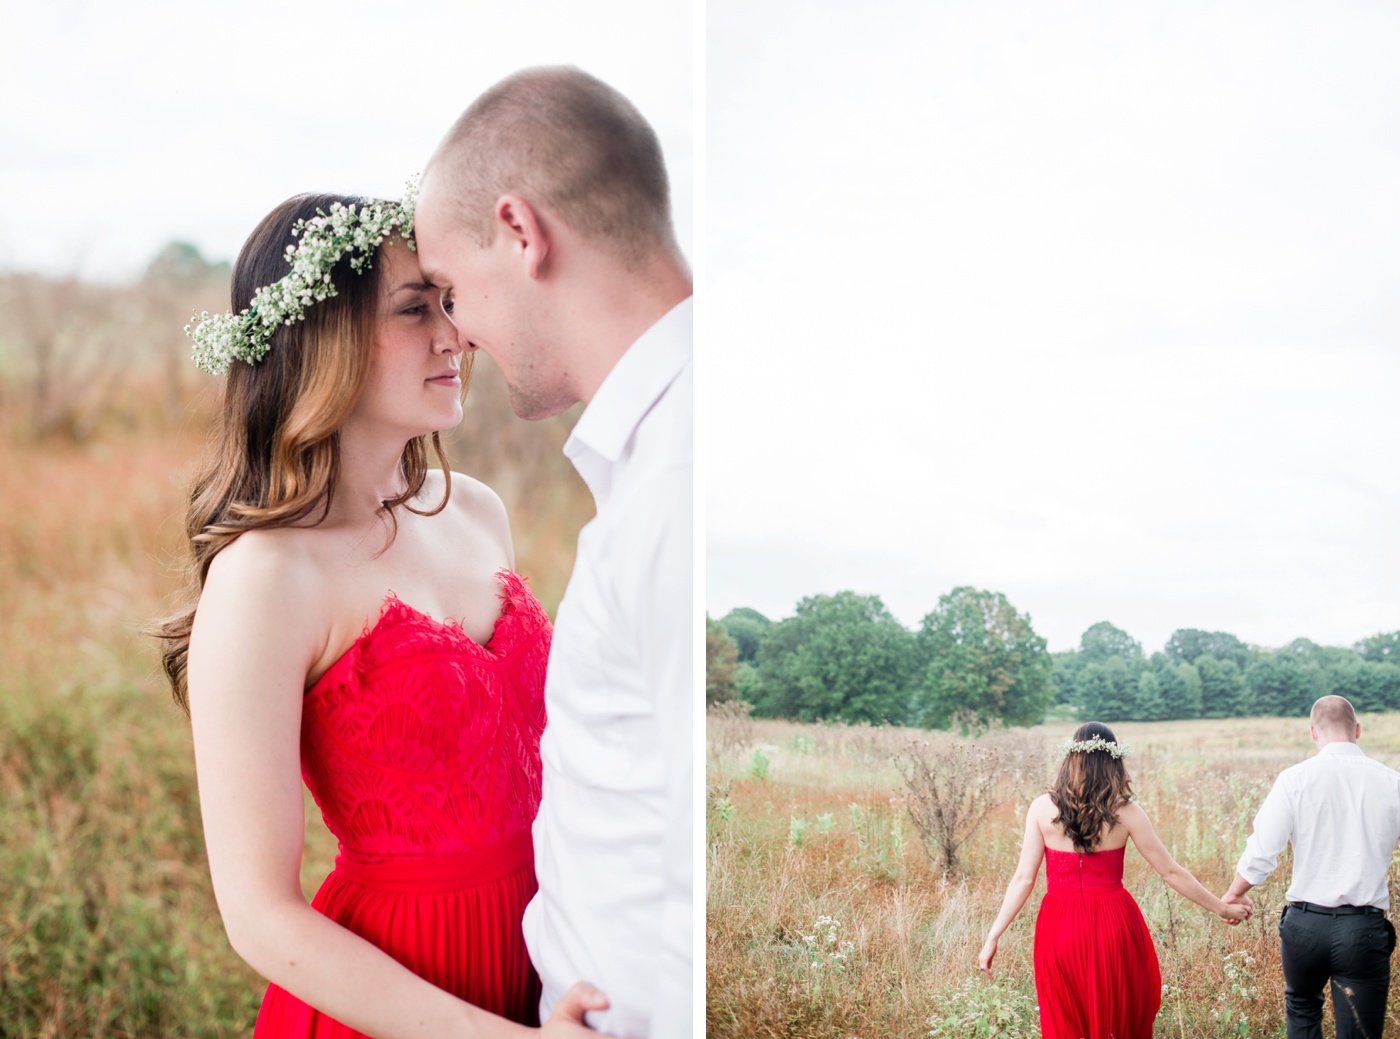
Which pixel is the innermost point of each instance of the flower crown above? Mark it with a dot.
(1116, 750)
(356, 229)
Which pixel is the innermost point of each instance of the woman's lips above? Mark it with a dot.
(447, 379)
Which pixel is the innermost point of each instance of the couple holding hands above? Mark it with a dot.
(1096, 970)
(512, 800)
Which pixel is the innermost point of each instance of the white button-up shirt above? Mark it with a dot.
(613, 837)
(1341, 811)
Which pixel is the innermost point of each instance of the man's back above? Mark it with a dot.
(1341, 811)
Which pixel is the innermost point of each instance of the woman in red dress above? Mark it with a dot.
(355, 622)
(1096, 973)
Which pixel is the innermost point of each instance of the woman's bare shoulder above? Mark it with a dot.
(270, 567)
(1131, 814)
(1042, 809)
(473, 504)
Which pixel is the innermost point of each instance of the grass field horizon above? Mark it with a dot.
(810, 852)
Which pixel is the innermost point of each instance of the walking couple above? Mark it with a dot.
(355, 618)
(1096, 970)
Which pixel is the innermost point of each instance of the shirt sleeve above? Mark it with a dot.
(1273, 829)
(668, 649)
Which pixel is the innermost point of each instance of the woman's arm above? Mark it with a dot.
(1178, 878)
(1020, 888)
(258, 630)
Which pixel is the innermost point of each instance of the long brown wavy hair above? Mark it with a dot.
(1090, 789)
(274, 455)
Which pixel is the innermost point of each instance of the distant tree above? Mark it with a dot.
(1282, 684)
(841, 656)
(1103, 642)
(1064, 674)
(1325, 657)
(746, 627)
(985, 664)
(721, 663)
(1189, 644)
(1149, 706)
(1179, 685)
(1224, 693)
(747, 684)
(1107, 690)
(1368, 685)
(1380, 649)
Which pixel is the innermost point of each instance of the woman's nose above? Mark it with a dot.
(445, 339)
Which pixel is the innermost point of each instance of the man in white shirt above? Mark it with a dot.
(1341, 812)
(544, 216)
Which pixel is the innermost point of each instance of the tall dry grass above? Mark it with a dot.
(108, 926)
(825, 917)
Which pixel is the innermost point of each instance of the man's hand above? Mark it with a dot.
(566, 1019)
(1236, 895)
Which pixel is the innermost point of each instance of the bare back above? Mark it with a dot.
(1044, 813)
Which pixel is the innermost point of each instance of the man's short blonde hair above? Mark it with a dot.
(1334, 714)
(565, 140)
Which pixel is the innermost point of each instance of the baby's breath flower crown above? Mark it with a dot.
(356, 230)
(1116, 750)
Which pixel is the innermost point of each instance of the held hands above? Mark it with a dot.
(1237, 908)
(984, 960)
(566, 1019)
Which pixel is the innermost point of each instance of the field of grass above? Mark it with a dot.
(826, 918)
(108, 926)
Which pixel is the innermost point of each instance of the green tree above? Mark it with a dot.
(747, 685)
(1284, 685)
(1107, 690)
(842, 656)
(1064, 676)
(1179, 685)
(1368, 685)
(985, 664)
(1380, 649)
(1187, 645)
(1104, 642)
(1224, 693)
(721, 663)
(747, 627)
(1149, 704)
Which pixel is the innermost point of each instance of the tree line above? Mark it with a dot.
(975, 661)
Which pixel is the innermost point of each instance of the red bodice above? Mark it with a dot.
(421, 742)
(1067, 872)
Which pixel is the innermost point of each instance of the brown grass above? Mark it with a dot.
(914, 934)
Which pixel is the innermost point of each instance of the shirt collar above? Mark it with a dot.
(636, 382)
(1342, 747)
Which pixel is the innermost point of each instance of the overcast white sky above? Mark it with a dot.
(1094, 304)
(124, 126)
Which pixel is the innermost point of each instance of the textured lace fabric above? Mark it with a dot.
(421, 742)
(1071, 871)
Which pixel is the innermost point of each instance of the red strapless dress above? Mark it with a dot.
(421, 748)
(1096, 972)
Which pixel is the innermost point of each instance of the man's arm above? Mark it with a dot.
(1273, 829)
(668, 622)
(1237, 894)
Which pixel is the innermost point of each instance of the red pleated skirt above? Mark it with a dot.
(1096, 970)
(453, 921)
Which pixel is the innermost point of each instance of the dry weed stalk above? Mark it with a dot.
(728, 728)
(950, 788)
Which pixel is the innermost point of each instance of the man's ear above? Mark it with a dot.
(526, 234)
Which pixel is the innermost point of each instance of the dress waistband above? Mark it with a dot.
(440, 874)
